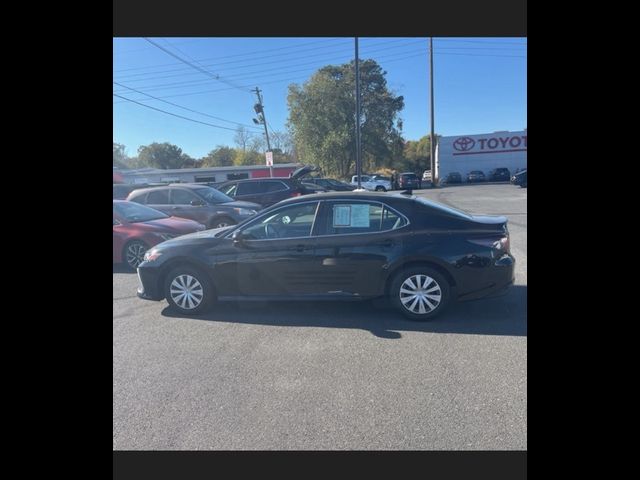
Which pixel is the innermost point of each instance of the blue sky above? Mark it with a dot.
(480, 84)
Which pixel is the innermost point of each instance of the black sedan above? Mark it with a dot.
(337, 245)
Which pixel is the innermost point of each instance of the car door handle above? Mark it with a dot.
(386, 243)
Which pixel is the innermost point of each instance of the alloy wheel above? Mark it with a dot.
(186, 292)
(135, 254)
(420, 294)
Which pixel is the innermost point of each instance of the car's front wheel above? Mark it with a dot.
(420, 293)
(380, 188)
(133, 253)
(189, 291)
(222, 222)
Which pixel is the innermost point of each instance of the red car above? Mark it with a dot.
(137, 228)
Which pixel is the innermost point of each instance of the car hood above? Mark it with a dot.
(242, 204)
(171, 225)
(197, 237)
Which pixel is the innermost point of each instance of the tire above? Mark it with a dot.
(221, 222)
(401, 286)
(199, 286)
(380, 188)
(133, 253)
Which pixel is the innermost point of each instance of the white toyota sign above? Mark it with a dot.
(484, 152)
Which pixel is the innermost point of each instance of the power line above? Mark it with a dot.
(314, 68)
(262, 71)
(173, 114)
(185, 108)
(231, 56)
(215, 77)
(264, 63)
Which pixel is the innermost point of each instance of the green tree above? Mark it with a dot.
(221, 156)
(248, 157)
(162, 155)
(322, 118)
(120, 158)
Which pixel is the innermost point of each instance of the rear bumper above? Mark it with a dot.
(500, 279)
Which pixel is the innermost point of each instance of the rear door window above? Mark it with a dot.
(275, 187)
(358, 217)
(158, 197)
(251, 188)
(181, 197)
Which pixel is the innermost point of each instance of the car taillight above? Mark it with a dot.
(295, 194)
(501, 243)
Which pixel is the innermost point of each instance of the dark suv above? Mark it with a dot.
(409, 180)
(201, 203)
(500, 175)
(270, 190)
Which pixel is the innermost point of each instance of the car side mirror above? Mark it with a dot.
(238, 238)
(197, 203)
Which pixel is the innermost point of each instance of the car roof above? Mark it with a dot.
(362, 195)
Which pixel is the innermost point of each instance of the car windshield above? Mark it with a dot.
(445, 208)
(409, 175)
(331, 181)
(133, 212)
(211, 195)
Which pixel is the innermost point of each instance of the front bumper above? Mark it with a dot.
(149, 287)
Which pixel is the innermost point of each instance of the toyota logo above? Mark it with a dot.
(464, 144)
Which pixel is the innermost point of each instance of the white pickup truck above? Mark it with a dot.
(376, 183)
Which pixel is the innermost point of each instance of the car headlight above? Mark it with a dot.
(152, 254)
(245, 211)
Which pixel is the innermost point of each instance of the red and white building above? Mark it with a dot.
(212, 174)
(484, 152)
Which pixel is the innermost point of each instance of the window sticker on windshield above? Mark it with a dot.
(341, 215)
(360, 216)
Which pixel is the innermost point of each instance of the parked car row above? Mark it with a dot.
(495, 175)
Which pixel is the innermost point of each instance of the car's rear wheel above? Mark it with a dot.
(420, 293)
(380, 188)
(222, 222)
(189, 291)
(133, 253)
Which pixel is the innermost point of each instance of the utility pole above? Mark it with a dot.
(358, 160)
(259, 108)
(434, 180)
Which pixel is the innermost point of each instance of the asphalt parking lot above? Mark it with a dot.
(338, 376)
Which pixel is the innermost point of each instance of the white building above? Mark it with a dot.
(484, 152)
